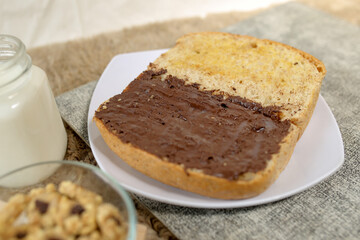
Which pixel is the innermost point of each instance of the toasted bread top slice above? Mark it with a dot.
(266, 74)
(263, 71)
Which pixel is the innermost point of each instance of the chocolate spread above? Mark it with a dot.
(224, 136)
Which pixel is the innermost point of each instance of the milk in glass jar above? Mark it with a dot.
(31, 129)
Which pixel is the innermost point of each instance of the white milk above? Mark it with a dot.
(31, 129)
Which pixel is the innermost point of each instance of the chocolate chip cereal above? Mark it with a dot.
(67, 213)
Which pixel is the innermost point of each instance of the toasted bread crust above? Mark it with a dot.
(195, 181)
(297, 104)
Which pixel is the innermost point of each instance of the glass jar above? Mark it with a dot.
(31, 129)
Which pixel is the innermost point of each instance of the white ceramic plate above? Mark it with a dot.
(318, 154)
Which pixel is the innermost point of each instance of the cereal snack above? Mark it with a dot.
(64, 213)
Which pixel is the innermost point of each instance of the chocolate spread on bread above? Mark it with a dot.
(224, 136)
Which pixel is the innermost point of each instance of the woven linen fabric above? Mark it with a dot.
(329, 210)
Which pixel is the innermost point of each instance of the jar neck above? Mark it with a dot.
(14, 61)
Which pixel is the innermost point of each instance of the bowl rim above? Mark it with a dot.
(110, 180)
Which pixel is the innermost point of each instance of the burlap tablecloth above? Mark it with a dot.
(75, 63)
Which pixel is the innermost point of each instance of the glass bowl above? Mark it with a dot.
(84, 175)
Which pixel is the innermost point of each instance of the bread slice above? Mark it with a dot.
(218, 114)
(263, 71)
